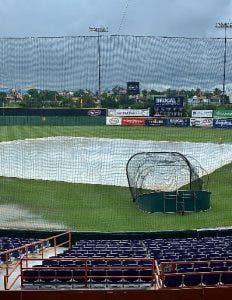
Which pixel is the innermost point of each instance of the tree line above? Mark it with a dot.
(116, 98)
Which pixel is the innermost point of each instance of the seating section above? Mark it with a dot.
(208, 273)
(91, 272)
(217, 248)
(188, 262)
(207, 248)
(7, 243)
(108, 248)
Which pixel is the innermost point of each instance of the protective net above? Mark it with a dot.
(71, 63)
(65, 168)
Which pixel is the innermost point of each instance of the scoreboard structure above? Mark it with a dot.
(168, 106)
(133, 88)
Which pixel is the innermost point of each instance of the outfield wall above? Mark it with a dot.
(61, 117)
(52, 120)
(52, 112)
(114, 117)
(113, 121)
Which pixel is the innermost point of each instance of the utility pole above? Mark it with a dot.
(224, 25)
(98, 30)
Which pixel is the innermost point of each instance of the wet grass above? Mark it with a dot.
(217, 135)
(108, 208)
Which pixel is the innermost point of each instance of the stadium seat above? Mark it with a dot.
(79, 276)
(226, 278)
(173, 281)
(47, 276)
(114, 276)
(211, 279)
(30, 276)
(220, 268)
(217, 264)
(66, 263)
(63, 276)
(145, 275)
(131, 275)
(192, 279)
(203, 269)
(98, 276)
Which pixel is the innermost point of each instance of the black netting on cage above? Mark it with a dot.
(150, 172)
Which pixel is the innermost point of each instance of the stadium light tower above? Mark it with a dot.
(224, 25)
(99, 30)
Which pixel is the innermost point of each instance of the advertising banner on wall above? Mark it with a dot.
(222, 113)
(168, 102)
(204, 113)
(222, 123)
(178, 122)
(128, 112)
(201, 122)
(155, 122)
(113, 121)
(132, 121)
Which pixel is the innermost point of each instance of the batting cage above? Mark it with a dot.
(167, 182)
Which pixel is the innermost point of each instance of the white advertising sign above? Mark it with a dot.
(128, 112)
(201, 122)
(113, 121)
(206, 113)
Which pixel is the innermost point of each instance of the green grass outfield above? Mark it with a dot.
(109, 208)
(190, 134)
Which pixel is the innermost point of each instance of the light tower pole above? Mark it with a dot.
(98, 30)
(224, 25)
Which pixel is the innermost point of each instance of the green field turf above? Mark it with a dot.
(218, 135)
(108, 208)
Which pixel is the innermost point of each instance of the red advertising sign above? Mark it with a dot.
(133, 121)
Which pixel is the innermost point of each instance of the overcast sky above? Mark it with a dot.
(194, 18)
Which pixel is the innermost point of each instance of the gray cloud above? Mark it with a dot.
(143, 17)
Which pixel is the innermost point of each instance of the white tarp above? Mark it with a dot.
(95, 160)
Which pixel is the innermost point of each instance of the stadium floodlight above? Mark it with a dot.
(224, 25)
(99, 30)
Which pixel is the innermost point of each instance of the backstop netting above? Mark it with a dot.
(66, 169)
(71, 63)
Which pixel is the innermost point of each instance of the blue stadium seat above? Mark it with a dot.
(147, 273)
(78, 276)
(173, 281)
(64, 276)
(211, 279)
(131, 275)
(47, 276)
(114, 276)
(226, 278)
(192, 280)
(30, 276)
(98, 276)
